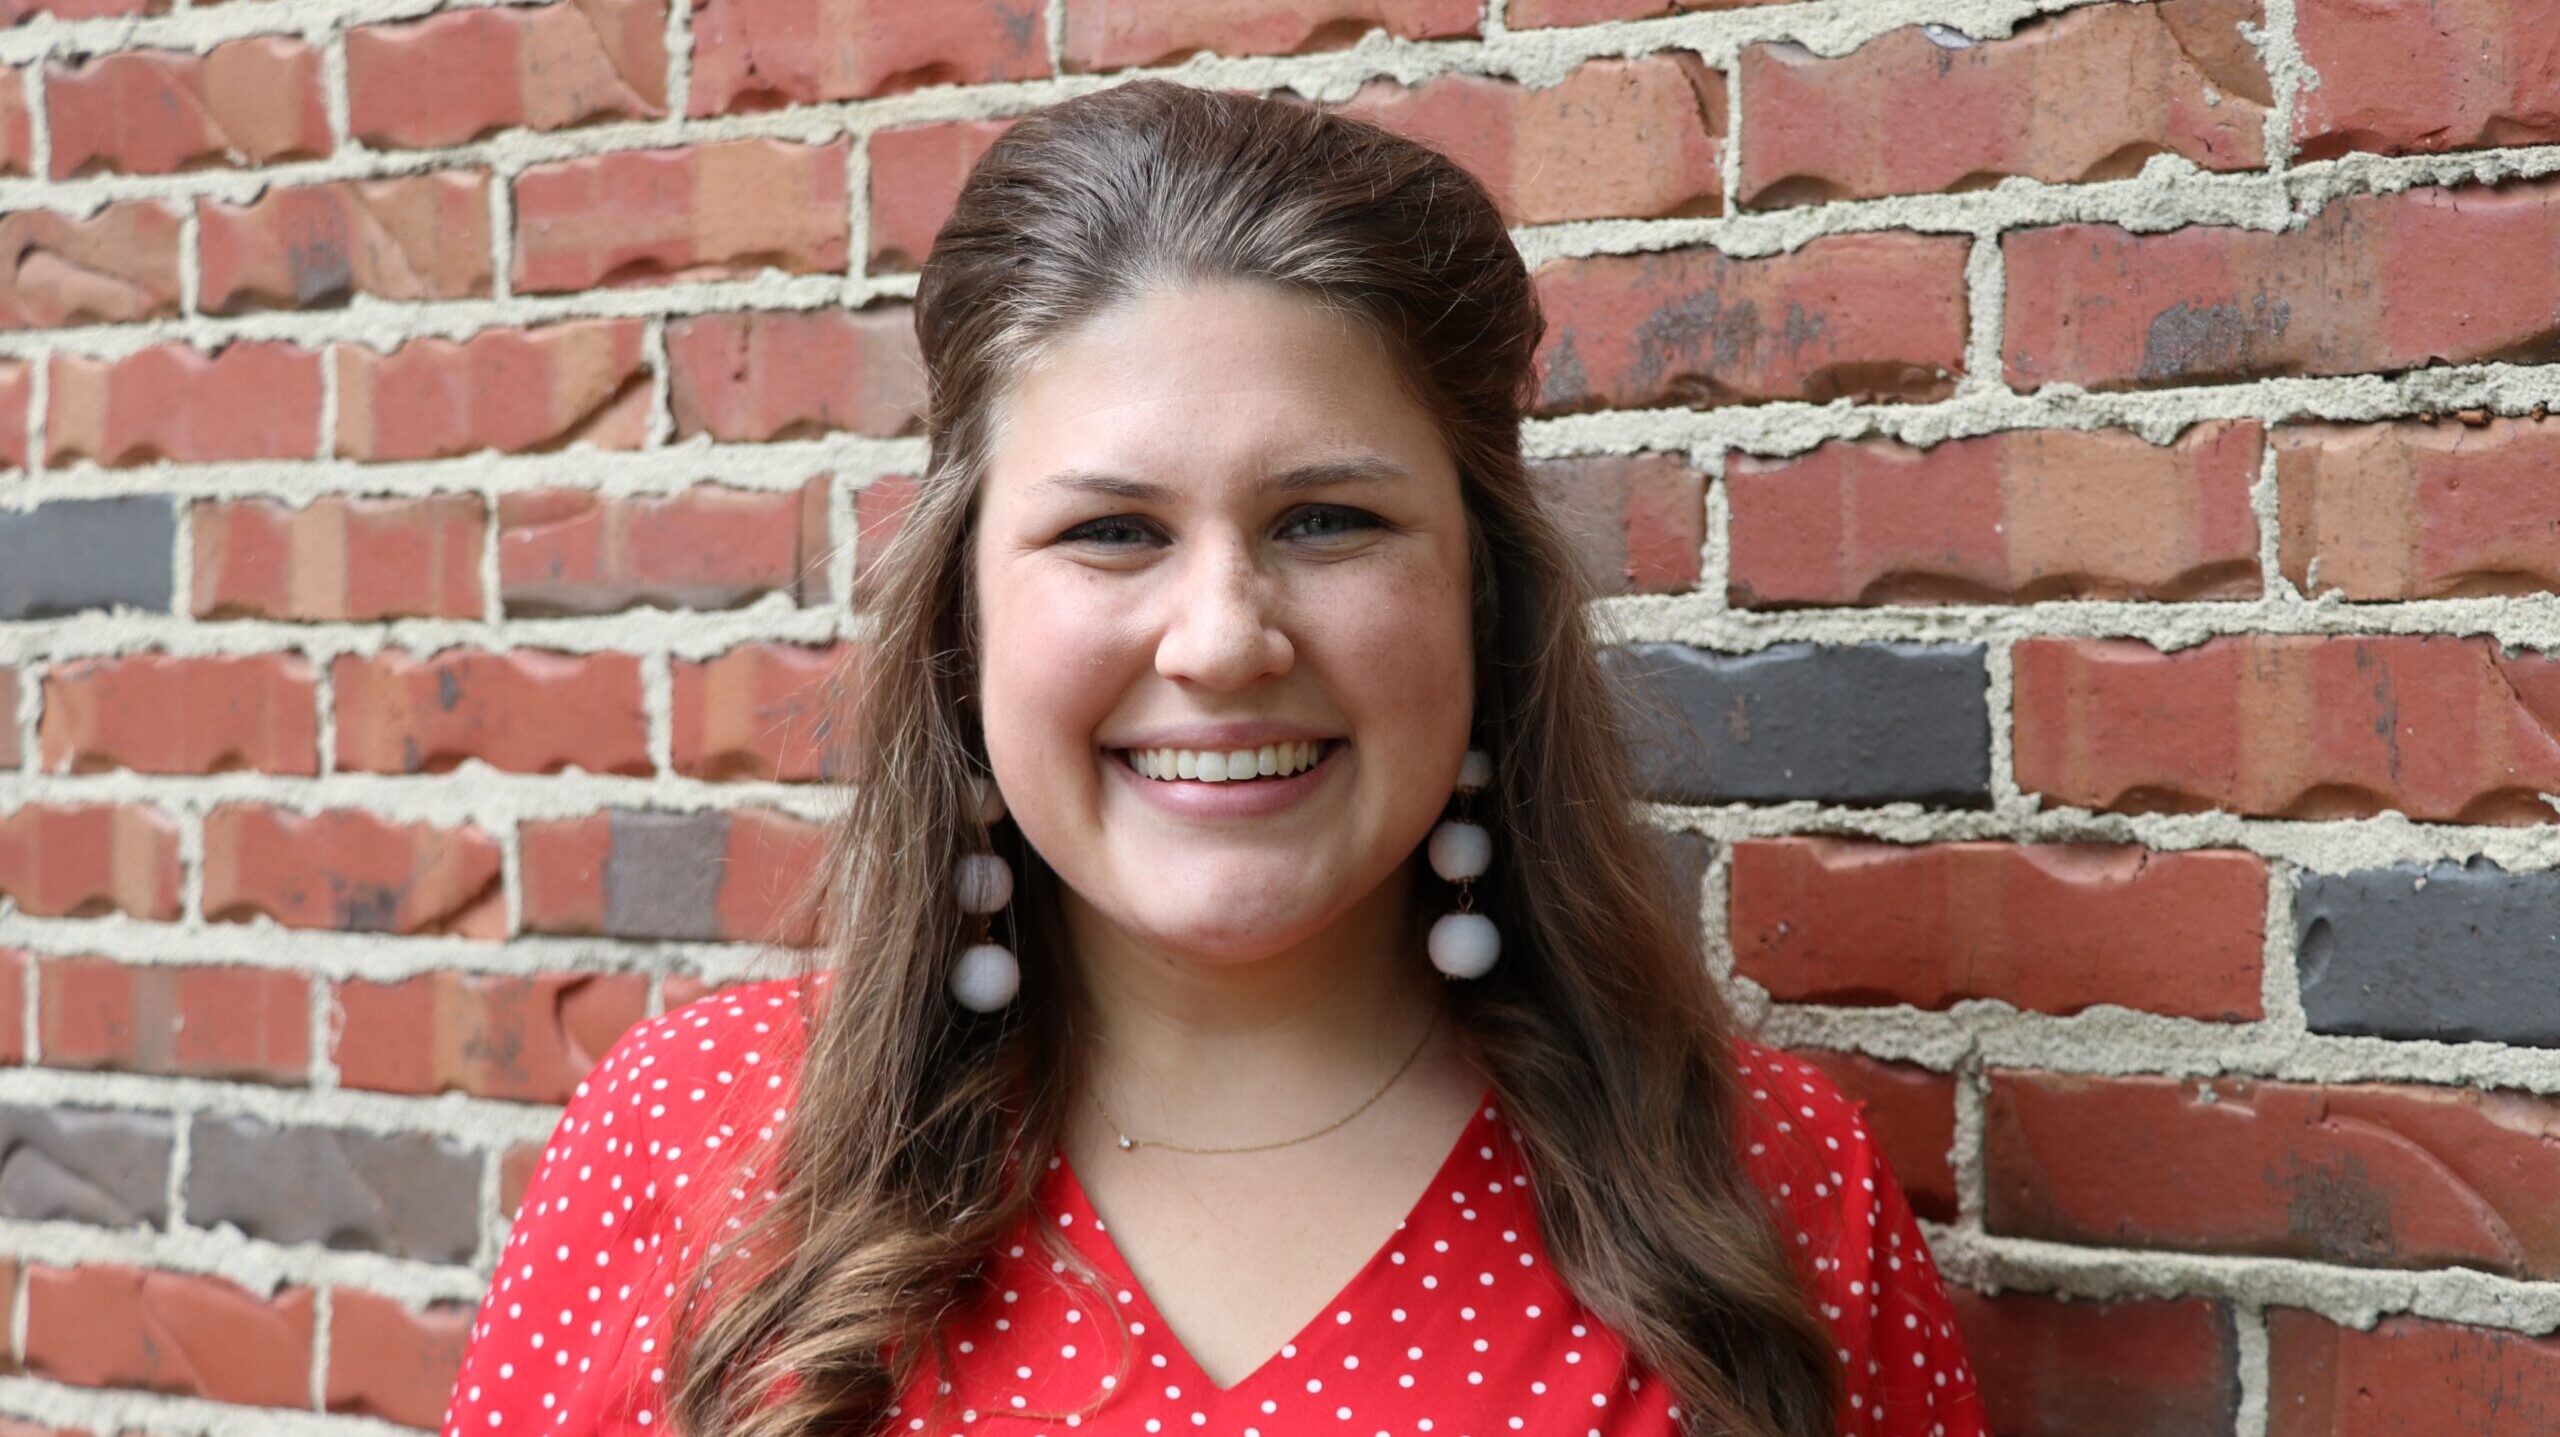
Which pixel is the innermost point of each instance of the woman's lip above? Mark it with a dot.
(1241, 798)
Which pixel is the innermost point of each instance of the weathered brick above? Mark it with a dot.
(574, 551)
(190, 1022)
(2407, 1374)
(530, 1039)
(719, 211)
(116, 265)
(2450, 952)
(2302, 726)
(785, 374)
(519, 710)
(879, 511)
(76, 1165)
(173, 1332)
(1872, 317)
(414, 237)
(634, 873)
(2420, 511)
(762, 711)
(17, 125)
(1868, 724)
(340, 558)
(2015, 517)
(2089, 94)
(2055, 1368)
(2416, 78)
(1912, 1112)
(1637, 522)
(82, 860)
(251, 101)
(1111, 34)
(2362, 1174)
(514, 390)
(18, 12)
(390, 1361)
(12, 753)
(916, 175)
(351, 871)
(1639, 138)
(161, 713)
(249, 400)
(1540, 14)
(2371, 283)
(768, 54)
(454, 77)
(2050, 927)
(75, 554)
(409, 1195)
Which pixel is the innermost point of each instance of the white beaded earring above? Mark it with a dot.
(1465, 944)
(987, 975)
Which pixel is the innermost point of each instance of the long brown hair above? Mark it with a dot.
(918, 1128)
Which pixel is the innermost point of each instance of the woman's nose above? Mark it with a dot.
(1221, 627)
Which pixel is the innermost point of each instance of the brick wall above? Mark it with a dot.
(2077, 470)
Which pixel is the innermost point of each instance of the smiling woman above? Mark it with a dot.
(1224, 587)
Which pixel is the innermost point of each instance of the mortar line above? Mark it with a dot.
(2250, 1354)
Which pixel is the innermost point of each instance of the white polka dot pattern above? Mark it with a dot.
(1456, 1327)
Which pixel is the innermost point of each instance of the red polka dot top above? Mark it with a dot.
(1456, 1327)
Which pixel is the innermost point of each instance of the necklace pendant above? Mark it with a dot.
(1125, 1143)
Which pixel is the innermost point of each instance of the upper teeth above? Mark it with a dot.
(1272, 760)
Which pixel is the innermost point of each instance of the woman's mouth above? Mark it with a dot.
(1237, 765)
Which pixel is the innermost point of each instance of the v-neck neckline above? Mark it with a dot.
(1103, 1249)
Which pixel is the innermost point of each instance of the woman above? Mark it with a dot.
(1224, 591)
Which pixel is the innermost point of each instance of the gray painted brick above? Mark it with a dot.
(409, 1196)
(2457, 953)
(75, 554)
(1862, 724)
(662, 875)
(107, 1168)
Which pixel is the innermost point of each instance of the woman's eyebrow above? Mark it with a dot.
(1358, 469)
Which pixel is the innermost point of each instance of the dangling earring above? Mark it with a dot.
(987, 975)
(1465, 944)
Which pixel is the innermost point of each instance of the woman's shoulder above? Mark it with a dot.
(702, 1065)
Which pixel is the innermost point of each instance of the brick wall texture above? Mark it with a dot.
(2074, 473)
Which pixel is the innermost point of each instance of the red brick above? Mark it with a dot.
(516, 1169)
(13, 1014)
(520, 710)
(18, 12)
(1111, 34)
(390, 1361)
(2407, 1374)
(252, 101)
(462, 74)
(1912, 1111)
(341, 558)
(574, 551)
(17, 125)
(2050, 928)
(1540, 14)
(2409, 78)
(721, 211)
(190, 1022)
(762, 711)
(117, 265)
(2086, 95)
(2371, 283)
(633, 874)
(249, 400)
(916, 175)
(514, 390)
(1637, 522)
(2420, 511)
(767, 54)
(415, 237)
(11, 753)
(1639, 138)
(2015, 517)
(2291, 726)
(173, 1332)
(351, 871)
(159, 713)
(1865, 316)
(879, 512)
(530, 1039)
(2055, 1368)
(2362, 1174)
(16, 393)
(82, 860)
(788, 374)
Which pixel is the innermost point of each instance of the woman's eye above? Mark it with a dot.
(1325, 521)
(1116, 532)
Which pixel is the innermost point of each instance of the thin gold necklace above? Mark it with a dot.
(1127, 1143)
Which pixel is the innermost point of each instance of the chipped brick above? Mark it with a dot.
(415, 237)
(161, 713)
(766, 375)
(728, 210)
(573, 551)
(408, 1195)
(517, 391)
(350, 871)
(340, 558)
(249, 400)
(518, 710)
(453, 77)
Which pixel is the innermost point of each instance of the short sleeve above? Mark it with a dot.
(578, 1273)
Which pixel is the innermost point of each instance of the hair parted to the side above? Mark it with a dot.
(918, 1130)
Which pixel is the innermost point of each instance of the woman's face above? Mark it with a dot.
(1214, 524)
